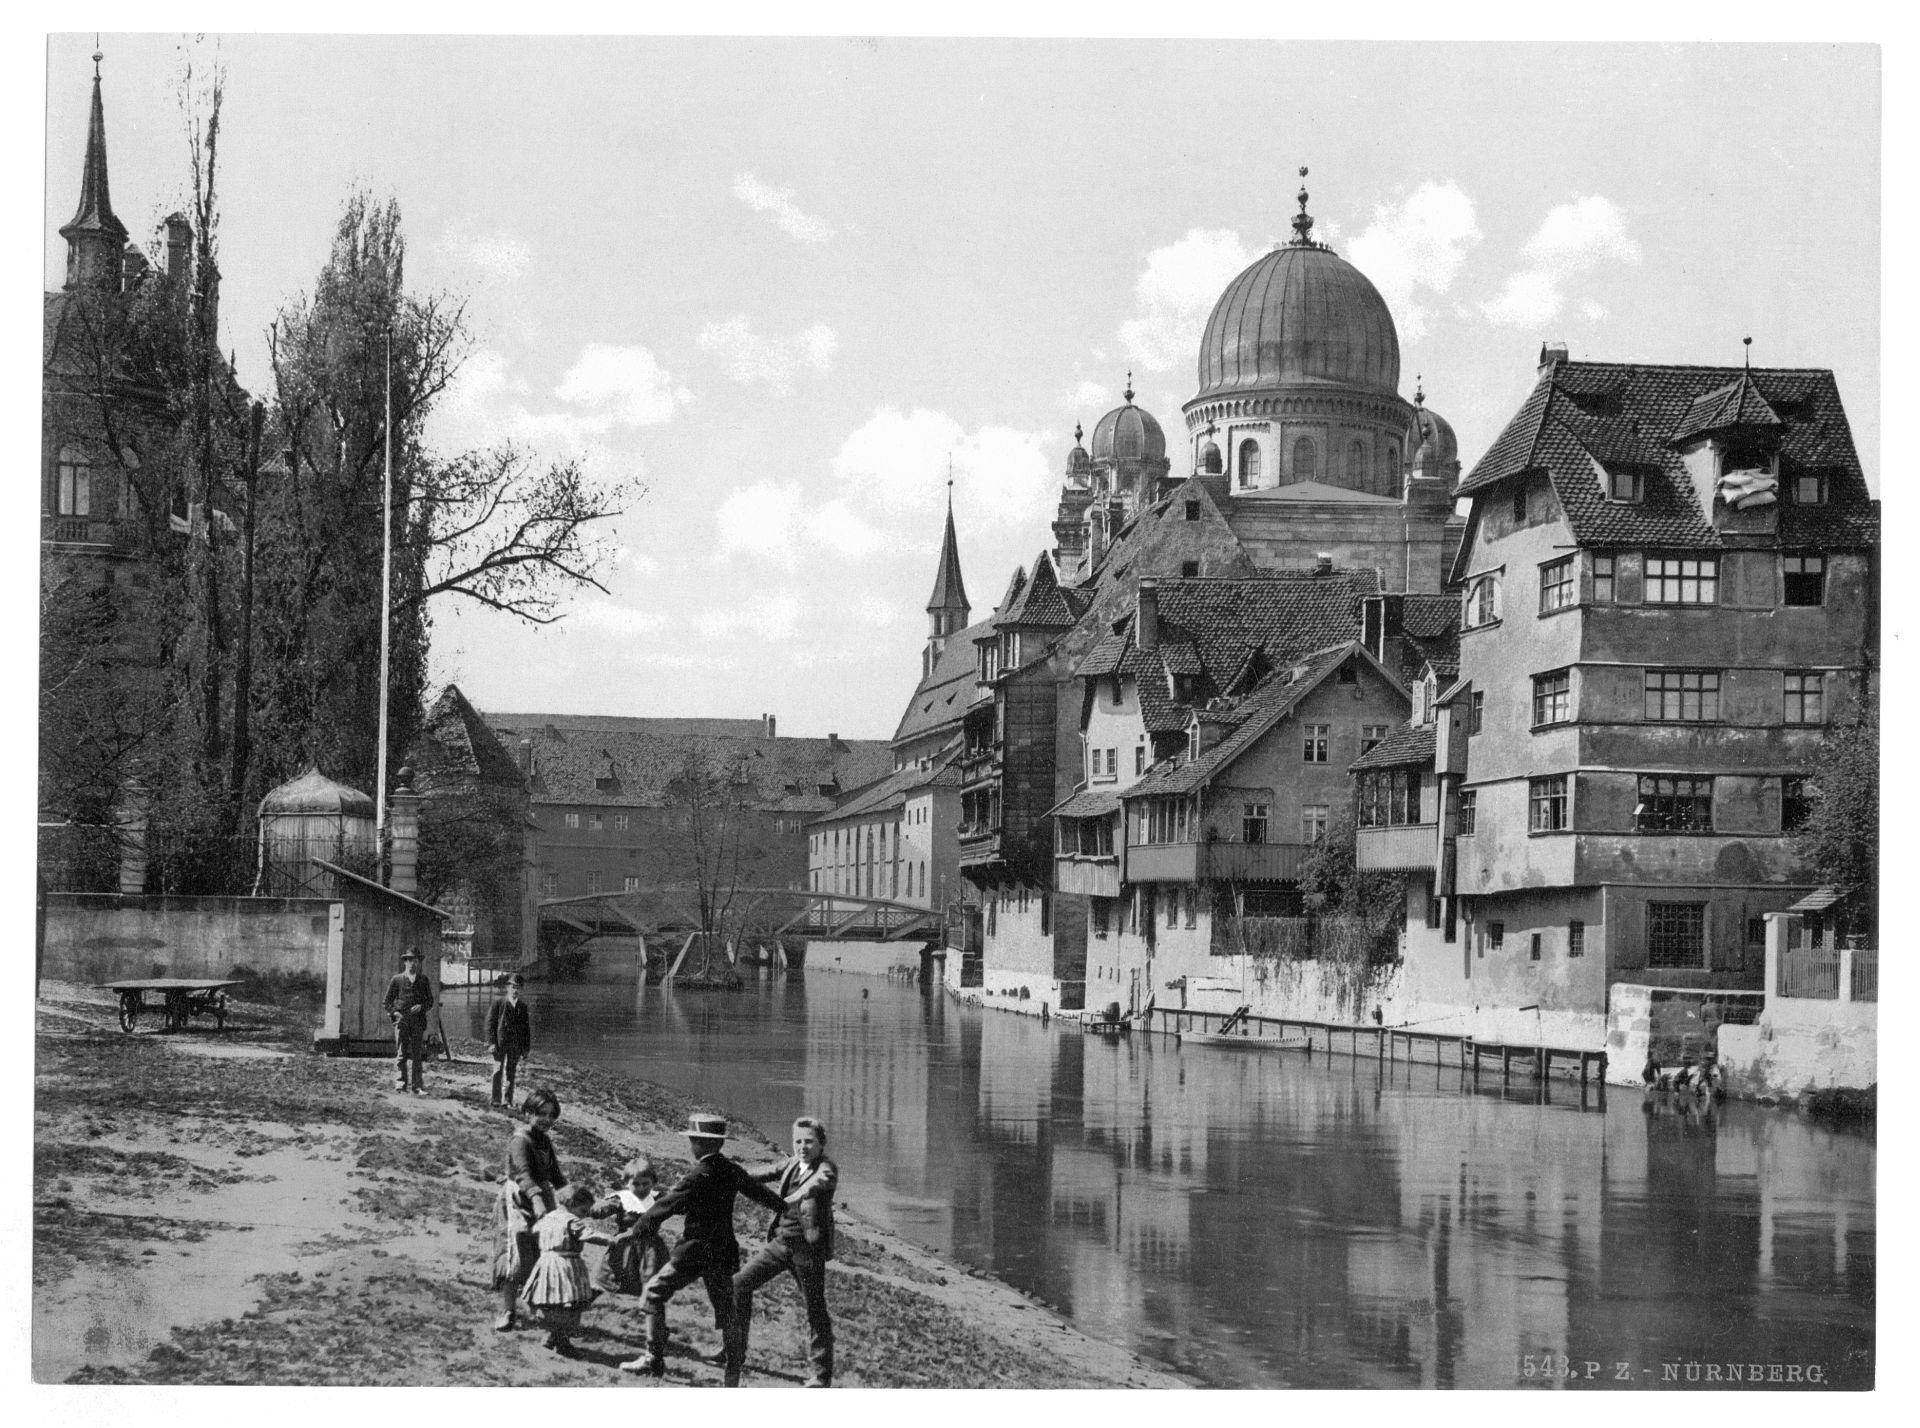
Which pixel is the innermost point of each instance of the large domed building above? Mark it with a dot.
(1298, 427)
(1126, 469)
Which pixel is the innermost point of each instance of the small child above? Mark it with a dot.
(635, 1254)
(558, 1289)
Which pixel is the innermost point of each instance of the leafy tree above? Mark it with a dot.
(1334, 887)
(1841, 836)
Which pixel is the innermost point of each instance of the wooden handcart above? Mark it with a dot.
(177, 999)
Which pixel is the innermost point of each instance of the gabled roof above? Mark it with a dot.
(1086, 803)
(949, 689)
(457, 741)
(1738, 403)
(639, 759)
(1582, 417)
(1041, 601)
(1405, 745)
(891, 791)
(1254, 716)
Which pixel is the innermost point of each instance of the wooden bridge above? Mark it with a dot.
(752, 913)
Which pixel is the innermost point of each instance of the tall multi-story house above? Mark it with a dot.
(1669, 593)
(895, 840)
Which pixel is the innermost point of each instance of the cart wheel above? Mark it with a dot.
(129, 1013)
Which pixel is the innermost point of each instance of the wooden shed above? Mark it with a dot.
(369, 927)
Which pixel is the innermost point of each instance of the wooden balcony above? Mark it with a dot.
(1405, 847)
(979, 846)
(88, 530)
(1096, 877)
(1215, 862)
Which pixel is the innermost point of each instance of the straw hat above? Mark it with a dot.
(704, 1126)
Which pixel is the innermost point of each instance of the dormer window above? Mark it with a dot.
(1809, 488)
(1625, 484)
(1745, 454)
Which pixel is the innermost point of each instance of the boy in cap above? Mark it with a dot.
(707, 1250)
(409, 999)
(509, 1038)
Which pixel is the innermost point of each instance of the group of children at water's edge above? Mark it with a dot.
(542, 1226)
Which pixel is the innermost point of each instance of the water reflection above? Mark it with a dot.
(1265, 1219)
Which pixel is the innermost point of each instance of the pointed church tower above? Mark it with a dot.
(947, 607)
(95, 237)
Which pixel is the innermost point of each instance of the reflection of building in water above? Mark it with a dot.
(862, 1074)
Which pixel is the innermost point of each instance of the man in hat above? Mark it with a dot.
(409, 999)
(509, 1037)
(707, 1250)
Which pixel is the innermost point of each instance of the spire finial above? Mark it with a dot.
(1128, 394)
(1747, 342)
(1077, 433)
(1303, 221)
(1419, 396)
(97, 56)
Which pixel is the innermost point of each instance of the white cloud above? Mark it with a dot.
(1592, 311)
(496, 255)
(877, 610)
(1418, 244)
(612, 618)
(1096, 396)
(772, 615)
(770, 521)
(765, 198)
(1573, 239)
(897, 462)
(1174, 294)
(487, 404)
(621, 384)
(746, 356)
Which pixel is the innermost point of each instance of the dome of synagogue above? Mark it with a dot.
(1434, 446)
(1300, 316)
(1128, 433)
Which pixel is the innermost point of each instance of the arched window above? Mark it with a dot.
(1249, 462)
(73, 483)
(1357, 465)
(1305, 459)
(1210, 459)
(1390, 464)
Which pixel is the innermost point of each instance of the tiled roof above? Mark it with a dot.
(1086, 803)
(639, 758)
(456, 740)
(1040, 601)
(1405, 745)
(1583, 413)
(891, 791)
(946, 694)
(1255, 715)
(1739, 403)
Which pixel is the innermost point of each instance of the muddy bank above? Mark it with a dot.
(225, 1207)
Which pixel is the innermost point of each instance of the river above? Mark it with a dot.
(1273, 1220)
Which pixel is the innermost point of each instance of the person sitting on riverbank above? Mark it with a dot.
(635, 1254)
(707, 1250)
(800, 1242)
(509, 1038)
(559, 1287)
(529, 1191)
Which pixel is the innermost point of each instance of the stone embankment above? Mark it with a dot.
(227, 1207)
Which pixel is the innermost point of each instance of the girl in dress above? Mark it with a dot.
(527, 1192)
(635, 1254)
(558, 1289)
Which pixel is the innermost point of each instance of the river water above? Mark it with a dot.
(1272, 1220)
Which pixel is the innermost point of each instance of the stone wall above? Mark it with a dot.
(99, 937)
(1802, 1044)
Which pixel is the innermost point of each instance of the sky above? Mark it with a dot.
(789, 284)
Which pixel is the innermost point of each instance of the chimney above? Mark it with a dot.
(1395, 610)
(1373, 624)
(526, 757)
(766, 721)
(1146, 620)
(1323, 562)
(179, 245)
(1551, 353)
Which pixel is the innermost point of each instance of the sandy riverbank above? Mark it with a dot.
(226, 1207)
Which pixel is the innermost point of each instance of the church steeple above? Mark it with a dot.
(947, 607)
(95, 237)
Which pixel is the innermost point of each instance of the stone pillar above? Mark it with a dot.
(403, 834)
(130, 823)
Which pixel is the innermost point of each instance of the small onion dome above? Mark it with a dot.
(1435, 447)
(1077, 459)
(1128, 433)
(314, 792)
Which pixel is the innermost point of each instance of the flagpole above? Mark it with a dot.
(386, 620)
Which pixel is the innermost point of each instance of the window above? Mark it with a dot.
(1189, 569)
(593, 881)
(1809, 489)
(629, 885)
(1756, 932)
(1804, 578)
(1482, 602)
(1306, 459)
(593, 823)
(1674, 804)
(73, 483)
(1547, 804)
(1624, 484)
(1348, 674)
(1165, 820)
(1313, 822)
(573, 820)
(1189, 900)
(1802, 702)
(1676, 934)
(1796, 803)
(1552, 698)
(1576, 938)
(1249, 462)
(549, 884)
(1046, 915)
(1316, 743)
(1682, 696)
(1496, 935)
(1140, 760)
(1603, 580)
(1357, 465)
(1533, 948)
(1371, 734)
(1476, 708)
(1683, 580)
(623, 821)
(1253, 823)
(1113, 763)
(1520, 505)
(1193, 507)
(1469, 810)
(1100, 906)
(1556, 585)
(1388, 798)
